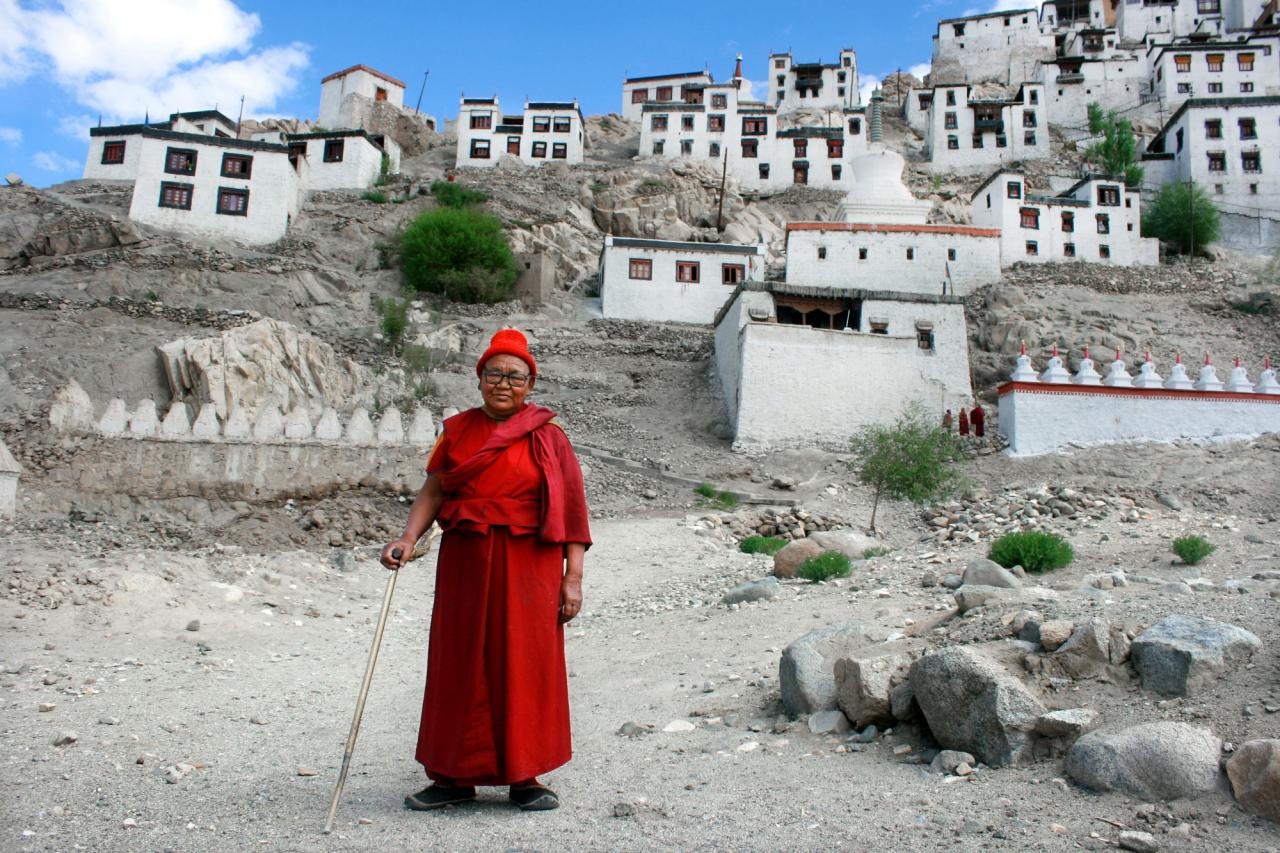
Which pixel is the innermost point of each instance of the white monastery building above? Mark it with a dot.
(1003, 47)
(337, 107)
(1098, 219)
(1214, 69)
(1231, 148)
(966, 132)
(659, 88)
(813, 85)
(716, 124)
(546, 132)
(673, 281)
(1146, 21)
(344, 159)
(113, 151)
(860, 328)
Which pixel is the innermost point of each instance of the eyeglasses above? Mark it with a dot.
(515, 380)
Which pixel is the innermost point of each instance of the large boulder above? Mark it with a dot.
(265, 363)
(1088, 651)
(806, 673)
(1181, 655)
(852, 544)
(788, 560)
(1254, 772)
(972, 704)
(983, 572)
(866, 678)
(757, 590)
(1152, 761)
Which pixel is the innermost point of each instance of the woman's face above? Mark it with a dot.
(500, 385)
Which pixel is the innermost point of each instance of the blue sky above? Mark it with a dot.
(63, 63)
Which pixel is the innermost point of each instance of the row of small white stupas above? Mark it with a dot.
(72, 412)
(1118, 375)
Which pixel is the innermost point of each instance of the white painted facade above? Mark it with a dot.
(1117, 82)
(1038, 418)
(668, 281)
(813, 85)
(761, 155)
(113, 153)
(659, 88)
(966, 134)
(546, 132)
(358, 80)
(1004, 47)
(1098, 220)
(1214, 69)
(787, 384)
(342, 159)
(1229, 146)
(191, 200)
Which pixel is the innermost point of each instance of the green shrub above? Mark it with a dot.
(395, 319)
(418, 359)
(1192, 549)
(877, 551)
(450, 194)
(1035, 551)
(762, 545)
(1183, 216)
(709, 497)
(375, 196)
(832, 564)
(913, 459)
(460, 252)
(706, 490)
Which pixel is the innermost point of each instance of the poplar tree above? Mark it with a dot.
(1117, 152)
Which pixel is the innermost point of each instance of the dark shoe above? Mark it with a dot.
(534, 798)
(439, 796)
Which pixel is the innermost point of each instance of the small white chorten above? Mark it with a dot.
(144, 421)
(1239, 380)
(1055, 373)
(1208, 380)
(237, 426)
(1178, 379)
(1148, 376)
(1118, 376)
(329, 429)
(1086, 375)
(1024, 372)
(1267, 383)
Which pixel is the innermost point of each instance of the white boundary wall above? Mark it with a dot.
(1040, 418)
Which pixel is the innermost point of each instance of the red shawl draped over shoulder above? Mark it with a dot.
(563, 512)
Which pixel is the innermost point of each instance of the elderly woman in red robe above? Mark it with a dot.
(506, 487)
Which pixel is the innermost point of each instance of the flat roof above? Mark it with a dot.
(678, 76)
(376, 73)
(884, 228)
(199, 114)
(551, 105)
(684, 246)
(219, 141)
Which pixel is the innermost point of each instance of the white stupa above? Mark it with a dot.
(1267, 383)
(1118, 376)
(1208, 380)
(1055, 373)
(1178, 379)
(1239, 381)
(1148, 376)
(878, 196)
(1086, 375)
(1024, 372)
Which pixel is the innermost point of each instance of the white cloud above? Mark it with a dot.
(10, 135)
(157, 56)
(76, 127)
(920, 70)
(51, 161)
(1007, 5)
(867, 84)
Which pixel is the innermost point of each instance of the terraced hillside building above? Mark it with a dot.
(545, 132)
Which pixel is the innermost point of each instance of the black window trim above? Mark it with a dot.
(341, 147)
(240, 191)
(248, 166)
(165, 185)
(168, 154)
(123, 147)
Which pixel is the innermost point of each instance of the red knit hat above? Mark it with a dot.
(508, 342)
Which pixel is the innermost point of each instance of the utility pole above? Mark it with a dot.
(724, 176)
(417, 106)
(240, 117)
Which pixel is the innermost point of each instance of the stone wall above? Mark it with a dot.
(1056, 410)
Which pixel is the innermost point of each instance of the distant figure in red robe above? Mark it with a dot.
(946, 420)
(504, 483)
(979, 420)
(964, 422)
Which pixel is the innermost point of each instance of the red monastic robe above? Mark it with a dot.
(496, 705)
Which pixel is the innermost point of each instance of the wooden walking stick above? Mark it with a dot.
(368, 675)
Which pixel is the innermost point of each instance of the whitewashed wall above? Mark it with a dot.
(1002, 46)
(1116, 82)
(662, 298)
(273, 192)
(966, 156)
(95, 169)
(834, 92)
(886, 266)
(360, 167)
(1165, 78)
(631, 110)
(1045, 419)
(359, 82)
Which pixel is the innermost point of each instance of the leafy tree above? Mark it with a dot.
(1117, 153)
(460, 252)
(1182, 215)
(914, 459)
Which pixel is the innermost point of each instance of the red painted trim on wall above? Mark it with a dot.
(1144, 393)
(891, 229)
(344, 72)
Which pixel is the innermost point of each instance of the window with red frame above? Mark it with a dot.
(688, 272)
(112, 152)
(640, 268)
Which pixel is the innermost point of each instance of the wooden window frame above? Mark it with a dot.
(513, 145)
(663, 94)
(334, 150)
(801, 148)
(561, 124)
(1068, 221)
(953, 142)
(1250, 124)
(1219, 157)
(713, 149)
(166, 186)
(719, 102)
(1014, 189)
(542, 124)
(659, 122)
(639, 96)
(1244, 61)
(1256, 157)
(1182, 63)
(1068, 250)
(715, 123)
(1104, 251)
(686, 122)
(1215, 61)
(538, 150)
(763, 171)
(1108, 195)
(835, 149)
(190, 153)
(1213, 128)
(1104, 222)
(559, 151)
(755, 126)
(837, 171)
(1032, 248)
(232, 192)
(1029, 118)
(481, 121)
(950, 121)
(640, 265)
(685, 269)
(481, 149)
(1029, 218)
(246, 159)
(733, 273)
(114, 145)
(750, 149)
